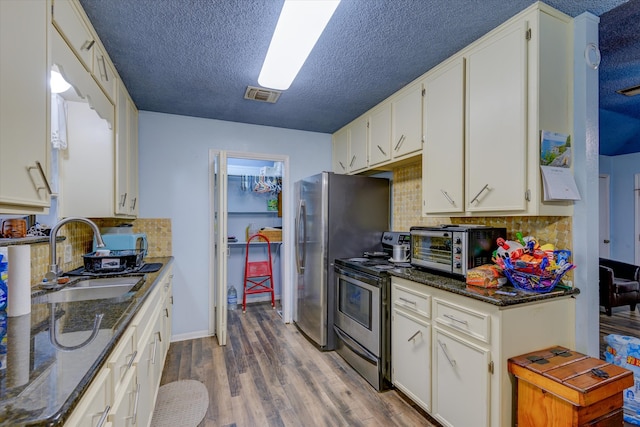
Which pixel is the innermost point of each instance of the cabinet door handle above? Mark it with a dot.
(135, 405)
(408, 301)
(479, 193)
(446, 195)
(88, 44)
(446, 353)
(103, 417)
(124, 199)
(104, 68)
(342, 166)
(133, 203)
(155, 347)
(381, 150)
(451, 317)
(414, 335)
(353, 159)
(399, 143)
(133, 356)
(166, 312)
(43, 175)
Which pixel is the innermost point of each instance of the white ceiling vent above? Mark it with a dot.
(261, 94)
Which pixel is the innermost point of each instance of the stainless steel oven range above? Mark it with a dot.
(362, 318)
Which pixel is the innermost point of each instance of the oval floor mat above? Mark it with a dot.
(180, 403)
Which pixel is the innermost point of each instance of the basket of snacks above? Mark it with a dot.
(531, 267)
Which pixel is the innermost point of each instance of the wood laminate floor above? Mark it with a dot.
(268, 374)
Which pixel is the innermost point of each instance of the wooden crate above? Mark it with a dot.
(272, 235)
(560, 387)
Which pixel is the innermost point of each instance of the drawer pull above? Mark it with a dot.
(446, 353)
(414, 335)
(103, 417)
(133, 356)
(407, 301)
(450, 317)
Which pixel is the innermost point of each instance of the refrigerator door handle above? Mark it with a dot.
(300, 245)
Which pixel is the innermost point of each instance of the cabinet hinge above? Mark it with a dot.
(424, 91)
(491, 367)
(527, 195)
(528, 34)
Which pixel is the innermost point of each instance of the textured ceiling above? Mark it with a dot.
(196, 57)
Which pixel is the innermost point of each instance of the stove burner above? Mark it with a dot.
(384, 267)
(358, 259)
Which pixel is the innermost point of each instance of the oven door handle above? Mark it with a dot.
(355, 347)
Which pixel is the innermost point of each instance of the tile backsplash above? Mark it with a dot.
(80, 237)
(407, 200)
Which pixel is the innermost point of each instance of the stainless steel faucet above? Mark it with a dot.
(54, 272)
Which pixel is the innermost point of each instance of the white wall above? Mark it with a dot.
(622, 170)
(173, 168)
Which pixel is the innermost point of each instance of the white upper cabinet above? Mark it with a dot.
(350, 147)
(341, 151)
(126, 155)
(443, 151)
(67, 18)
(496, 122)
(358, 145)
(407, 121)
(380, 134)
(24, 107)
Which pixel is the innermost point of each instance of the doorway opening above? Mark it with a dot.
(248, 196)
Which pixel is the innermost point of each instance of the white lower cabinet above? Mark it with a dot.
(96, 403)
(124, 391)
(449, 352)
(460, 374)
(411, 353)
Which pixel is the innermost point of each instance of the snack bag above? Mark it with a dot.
(486, 276)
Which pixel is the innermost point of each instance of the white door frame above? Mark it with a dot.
(217, 266)
(636, 196)
(604, 220)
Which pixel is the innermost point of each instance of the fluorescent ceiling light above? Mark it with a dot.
(300, 24)
(58, 83)
(630, 91)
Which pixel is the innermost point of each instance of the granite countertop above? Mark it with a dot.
(30, 240)
(504, 296)
(42, 384)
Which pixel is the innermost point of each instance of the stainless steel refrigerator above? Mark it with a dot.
(338, 216)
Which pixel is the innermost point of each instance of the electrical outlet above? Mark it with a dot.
(68, 254)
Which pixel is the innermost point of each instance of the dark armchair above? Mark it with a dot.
(619, 284)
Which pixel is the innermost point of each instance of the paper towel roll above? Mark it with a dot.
(19, 350)
(19, 281)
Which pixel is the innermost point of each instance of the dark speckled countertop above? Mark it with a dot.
(458, 286)
(41, 385)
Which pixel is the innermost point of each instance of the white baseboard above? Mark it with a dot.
(190, 336)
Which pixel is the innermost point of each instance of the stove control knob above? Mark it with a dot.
(457, 250)
(458, 241)
(458, 265)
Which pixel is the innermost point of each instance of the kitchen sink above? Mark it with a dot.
(90, 289)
